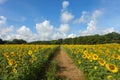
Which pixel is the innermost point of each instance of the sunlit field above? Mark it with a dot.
(23, 62)
(98, 62)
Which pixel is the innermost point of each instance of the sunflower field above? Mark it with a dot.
(23, 62)
(98, 62)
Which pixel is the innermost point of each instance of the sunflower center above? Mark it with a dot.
(95, 56)
(111, 67)
(101, 61)
(116, 56)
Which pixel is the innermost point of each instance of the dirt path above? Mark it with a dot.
(67, 69)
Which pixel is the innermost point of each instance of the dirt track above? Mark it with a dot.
(67, 69)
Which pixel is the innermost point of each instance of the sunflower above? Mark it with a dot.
(95, 56)
(101, 62)
(109, 77)
(6, 55)
(14, 70)
(90, 59)
(84, 56)
(10, 62)
(12, 53)
(88, 55)
(30, 52)
(119, 58)
(116, 56)
(111, 68)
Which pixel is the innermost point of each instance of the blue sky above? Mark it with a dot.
(33, 20)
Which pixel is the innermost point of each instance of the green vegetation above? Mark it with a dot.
(93, 39)
(98, 62)
(51, 74)
(24, 62)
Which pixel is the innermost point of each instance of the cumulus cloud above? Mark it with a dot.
(65, 4)
(45, 30)
(45, 26)
(82, 19)
(96, 14)
(2, 1)
(66, 17)
(2, 20)
(92, 27)
(23, 30)
(64, 28)
(25, 33)
(72, 35)
(5, 31)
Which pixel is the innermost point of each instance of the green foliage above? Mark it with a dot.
(95, 68)
(52, 71)
(92, 39)
(23, 62)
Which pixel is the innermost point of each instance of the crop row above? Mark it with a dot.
(23, 62)
(98, 62)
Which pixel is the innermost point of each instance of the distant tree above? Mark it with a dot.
(92, 39)
(59, 41)
(1, 41)
(18, 41)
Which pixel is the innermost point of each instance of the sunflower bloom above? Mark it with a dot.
(14, 70)
(10, 62)
(95, 56)
(12, 53)
(84, 56)
(115, 56)
(6, 55)
(101, 62)
(111, 68)
(109, 77)
(30, 52)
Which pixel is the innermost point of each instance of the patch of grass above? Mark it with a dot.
(51, 74)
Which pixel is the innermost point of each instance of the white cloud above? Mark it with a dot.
(66, 17)
(45, 30)
(96, 14)
(82, 19)
(44, 26)
(2, 20)
(72, 35)
(64, 28)
(2, 1)
(92, 27)
(25, 33)
(23, 30)
(59, 35)
(5, 32)
(65, 4)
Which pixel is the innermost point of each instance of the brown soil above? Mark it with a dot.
(66, 67)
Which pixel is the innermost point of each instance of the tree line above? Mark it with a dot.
(92, 39)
